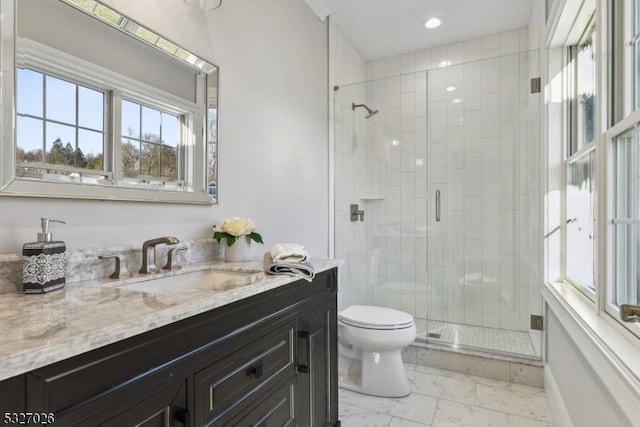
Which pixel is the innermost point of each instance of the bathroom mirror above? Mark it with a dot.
(104, 108)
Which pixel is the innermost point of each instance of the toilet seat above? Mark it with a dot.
(376, 318)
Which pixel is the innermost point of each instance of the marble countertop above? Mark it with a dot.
(41, 329)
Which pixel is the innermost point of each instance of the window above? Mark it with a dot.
(584, 99)
(150, 140)
(626, 218)
(65, 131)
(581, 163)
(58, 122)
(623, 173)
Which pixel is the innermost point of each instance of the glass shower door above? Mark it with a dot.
(480, 250)
(381, 166)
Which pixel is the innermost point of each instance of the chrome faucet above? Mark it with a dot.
(149, 253)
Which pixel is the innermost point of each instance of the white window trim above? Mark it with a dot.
(61, 64)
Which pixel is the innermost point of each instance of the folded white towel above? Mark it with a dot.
(301, 269)
(288, 252)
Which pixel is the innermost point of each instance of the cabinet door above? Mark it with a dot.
(159, 407)
(164, 408)
(317, 364)
(12, 395)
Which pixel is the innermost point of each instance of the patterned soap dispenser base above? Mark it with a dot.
(44, 266)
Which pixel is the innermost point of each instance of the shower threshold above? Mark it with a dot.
(494, 340)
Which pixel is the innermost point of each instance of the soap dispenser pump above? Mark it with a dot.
(44, 265)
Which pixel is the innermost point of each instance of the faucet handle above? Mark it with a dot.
(121, 266)
(172, 259)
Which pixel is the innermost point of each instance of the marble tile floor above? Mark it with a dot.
(502, 340)
(447, 399)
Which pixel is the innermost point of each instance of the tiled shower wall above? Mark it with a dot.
(477, 144)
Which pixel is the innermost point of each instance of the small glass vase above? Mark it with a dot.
(239, 251)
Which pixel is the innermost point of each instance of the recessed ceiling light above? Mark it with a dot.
(450, 88)
(444, 63)
(433, 23)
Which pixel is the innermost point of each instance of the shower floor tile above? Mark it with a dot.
(502, 340)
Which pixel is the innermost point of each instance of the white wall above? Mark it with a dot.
(273, 59)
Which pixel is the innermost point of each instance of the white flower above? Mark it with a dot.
(236, 226)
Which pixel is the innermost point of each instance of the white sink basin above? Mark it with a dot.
(194, 280)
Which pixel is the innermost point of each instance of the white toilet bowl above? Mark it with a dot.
(370, 342)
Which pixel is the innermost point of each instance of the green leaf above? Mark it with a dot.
(218, 235)
(230, 239)
(255, 237)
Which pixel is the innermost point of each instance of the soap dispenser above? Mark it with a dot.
(44, 265)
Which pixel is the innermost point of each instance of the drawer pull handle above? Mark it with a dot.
(256, 370)
(306, 337)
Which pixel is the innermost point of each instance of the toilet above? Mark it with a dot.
(370, 341)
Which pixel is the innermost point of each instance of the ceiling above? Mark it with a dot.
(381, 28)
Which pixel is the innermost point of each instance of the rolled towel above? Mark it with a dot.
(288, 252)
(302, 269)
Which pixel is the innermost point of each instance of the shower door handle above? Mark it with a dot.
(438, 206)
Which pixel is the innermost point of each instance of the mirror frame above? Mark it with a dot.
(12, 185)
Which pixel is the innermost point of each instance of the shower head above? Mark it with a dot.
(370, 112)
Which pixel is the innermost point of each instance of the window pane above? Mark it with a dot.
(586, 81)
(29, 92)
(212, 167)
(61, 100)
(91, 108)
(580, 221)
(150, 159)
(169, 162)
(90, 149)
(160, 136)
(150, 124)
(130, 119)
(626, 246)
(130, 150)
(61, 143)
(29, 140)
(170, 129)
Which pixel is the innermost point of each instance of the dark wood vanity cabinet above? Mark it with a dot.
(267, 360)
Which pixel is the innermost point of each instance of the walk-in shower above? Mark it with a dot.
(446, 174)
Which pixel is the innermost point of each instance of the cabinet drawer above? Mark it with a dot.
(277, 410)
(228, 383)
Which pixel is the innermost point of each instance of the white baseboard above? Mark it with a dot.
(556, 402)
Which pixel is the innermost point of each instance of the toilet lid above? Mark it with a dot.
(372, 317)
